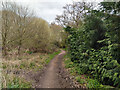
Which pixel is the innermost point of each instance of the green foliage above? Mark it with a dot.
(95, 47)
(69, 64)
(51, 56)
(81, 81)
(85, 80)
(4, 66)
(32, 65)
(93, 83)
(29, 52)
(17, 83)
(113, 7)
(22, 65)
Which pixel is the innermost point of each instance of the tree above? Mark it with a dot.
(58, 34)
(73, 14)
(6, 25)
(95, 46)
(111, 12)
(23, 30)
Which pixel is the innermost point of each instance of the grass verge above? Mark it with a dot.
(51, 56)
(14, 67)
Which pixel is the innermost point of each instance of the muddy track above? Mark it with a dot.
(53, 75)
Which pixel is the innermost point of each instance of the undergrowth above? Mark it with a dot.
(83, 79)
(12, 69)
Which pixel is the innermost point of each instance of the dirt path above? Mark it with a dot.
(50, 78)
(53, 75)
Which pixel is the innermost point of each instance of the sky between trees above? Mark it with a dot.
(47, 9)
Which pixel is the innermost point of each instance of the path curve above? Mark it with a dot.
(54, 76)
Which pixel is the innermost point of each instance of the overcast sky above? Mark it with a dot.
(47, 9)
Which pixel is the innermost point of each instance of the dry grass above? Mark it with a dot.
(14, 65)
(24, 61)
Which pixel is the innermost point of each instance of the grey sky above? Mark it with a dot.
(47, 9)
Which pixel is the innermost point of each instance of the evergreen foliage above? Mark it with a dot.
(95, 45)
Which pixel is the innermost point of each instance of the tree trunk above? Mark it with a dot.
(19, 47)
(4, 51)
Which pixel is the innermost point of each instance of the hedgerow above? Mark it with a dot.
(95, 47)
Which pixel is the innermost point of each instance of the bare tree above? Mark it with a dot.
(23, 30)
(15, 22)
(73, 14)
(21, 21)
(40, 36)
(5, 26)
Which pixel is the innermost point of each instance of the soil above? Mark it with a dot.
(54, 75)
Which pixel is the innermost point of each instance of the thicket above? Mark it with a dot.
(95, 45)
(24, 32)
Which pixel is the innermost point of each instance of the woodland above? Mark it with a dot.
(90, 34)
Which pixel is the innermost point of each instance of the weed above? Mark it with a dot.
(32, 65)
(16, 66)
(4, 66)
(51, 56)
(18, 83)
(22, 65)
(32, 62)
(93, 83)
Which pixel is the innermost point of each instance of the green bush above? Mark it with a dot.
(81, 81)
(91, 83)
(95, 49)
